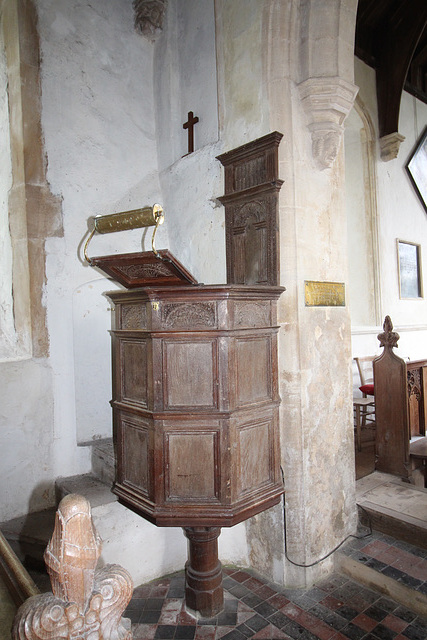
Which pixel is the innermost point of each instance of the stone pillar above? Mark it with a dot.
(314, 343)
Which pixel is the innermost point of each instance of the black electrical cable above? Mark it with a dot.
(313, 564)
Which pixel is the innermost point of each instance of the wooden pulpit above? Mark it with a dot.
(195, 381)
(195, 404)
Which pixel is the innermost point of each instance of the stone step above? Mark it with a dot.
(394, 507)
(88, 485)
(395, 569)
(392, 560)
(103, 459)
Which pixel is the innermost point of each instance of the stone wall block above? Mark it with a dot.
(38, 310)
(46, 214)
(33, 143)
(29, 39)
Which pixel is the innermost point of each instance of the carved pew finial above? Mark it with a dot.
(388, 338)
(86, 602)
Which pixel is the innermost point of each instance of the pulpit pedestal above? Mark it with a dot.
(203, 573)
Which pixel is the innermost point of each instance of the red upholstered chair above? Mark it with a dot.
(364, 408)
(366, 373)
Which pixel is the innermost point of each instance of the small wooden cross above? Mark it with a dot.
(190, 126)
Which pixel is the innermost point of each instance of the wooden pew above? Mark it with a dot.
(396, 406)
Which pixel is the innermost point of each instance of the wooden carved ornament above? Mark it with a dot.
(86, 603)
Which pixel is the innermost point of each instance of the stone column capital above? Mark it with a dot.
(327, 101)
(390, 145)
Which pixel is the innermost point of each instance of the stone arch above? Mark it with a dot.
(361, 190)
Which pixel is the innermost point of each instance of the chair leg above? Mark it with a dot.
(358, 429)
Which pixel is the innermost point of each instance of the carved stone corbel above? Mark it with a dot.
(327, 102)
(149, 15)
(390, 145)
(85, 602)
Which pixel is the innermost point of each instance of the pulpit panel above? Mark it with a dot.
(253, 380)
(192, 463)
(190, 376)
(134, 375)
(255, 456)
(133, 316)
(135, 455)
(249, 313)
(134, 451)
(181, 315)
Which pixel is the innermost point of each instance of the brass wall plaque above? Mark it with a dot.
(324, 294)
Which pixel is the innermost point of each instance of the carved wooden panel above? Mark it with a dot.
(133, 316)
(192, 465)
(134, 375)
(252, 314)
(142, 269)
(197, 315)
(251, 211)
(416, 397)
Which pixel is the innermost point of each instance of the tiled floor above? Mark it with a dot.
(398, 560)
(332, 610)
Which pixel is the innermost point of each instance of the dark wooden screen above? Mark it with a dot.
(251, 211)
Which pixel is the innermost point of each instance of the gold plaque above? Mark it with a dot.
(324, 294)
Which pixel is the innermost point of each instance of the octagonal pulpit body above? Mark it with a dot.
(195, 403)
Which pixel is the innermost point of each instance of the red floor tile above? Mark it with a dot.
(205, 633)
(278, 601)
(412, 567)
(375, 547)
(270, 633)
(253, 584)
(309, 621)
(395, 624)
(241, 576)
(365, 622)
(265, 592)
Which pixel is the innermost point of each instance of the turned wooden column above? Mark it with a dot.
(203, 572)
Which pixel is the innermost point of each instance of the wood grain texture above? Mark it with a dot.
(195, 399)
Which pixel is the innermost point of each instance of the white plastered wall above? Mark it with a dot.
(399, 215)
(26, 415)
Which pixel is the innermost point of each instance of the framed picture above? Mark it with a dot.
(409, 263)
(417, 169)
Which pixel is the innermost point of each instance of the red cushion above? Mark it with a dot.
(368, 389)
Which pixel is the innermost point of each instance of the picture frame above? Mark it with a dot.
(409, 269)
(417, 169)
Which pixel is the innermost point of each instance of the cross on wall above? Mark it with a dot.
(192, 120)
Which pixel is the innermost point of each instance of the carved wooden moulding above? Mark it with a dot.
(251, 211)
(195, 403)
(143, 269)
